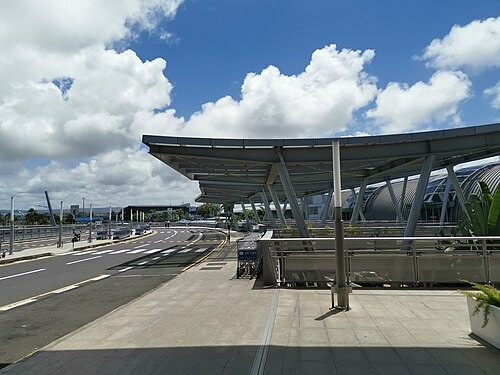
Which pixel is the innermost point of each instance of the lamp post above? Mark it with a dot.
(90, 224)
(83, 206)
(109, 223)
(11, 243)
(59, 242)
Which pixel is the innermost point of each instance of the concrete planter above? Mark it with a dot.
(491, 332)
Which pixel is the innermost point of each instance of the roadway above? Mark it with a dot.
(44, 299)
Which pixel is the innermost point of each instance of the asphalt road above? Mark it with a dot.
(44, 299)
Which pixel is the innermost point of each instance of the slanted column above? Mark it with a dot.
(357, 211)
(458, 189)
(249, 226)
(446, 198)
(277, 205)
(419, 197)
(292, 198)
(399, 216)
(254, 210)
(269, 213)
(326, 207)
(403, 194)
(305, 207)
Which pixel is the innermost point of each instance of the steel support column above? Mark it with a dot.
(446, 198)
(419, 197)
(399, 216)
(292, 198)
(249, 226)
(326, 207)
(458, 189)
(357, 211)
(254, 210)
(342, 289)
(277, 205)
(403, 194)
(269, 213)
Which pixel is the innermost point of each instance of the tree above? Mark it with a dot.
(208, 210)
(482, 213)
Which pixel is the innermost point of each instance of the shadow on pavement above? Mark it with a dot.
(280, 360)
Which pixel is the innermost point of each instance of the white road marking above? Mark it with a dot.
(17, 304)
(62, 290)
(100, 277)
(142, 263)
(136, 251)
(155, 258)
(151, 251)
(120, 251)
(21, 274)
(125, 269)
(201, 250)
(166, 252)
(103, 252)
(84, 260)
(186, 250)
(140, 246)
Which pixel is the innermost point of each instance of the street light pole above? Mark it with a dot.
(83, 206)
(109, 223)
(11, 244)
(60, 243)
(90, 224)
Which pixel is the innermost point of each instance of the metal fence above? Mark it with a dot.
(390, 261)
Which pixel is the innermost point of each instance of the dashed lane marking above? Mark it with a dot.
(21, 274)
(57, 291)
(84, 260)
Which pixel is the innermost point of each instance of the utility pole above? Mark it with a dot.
(90, 224)
(59, 242)
(11, 244)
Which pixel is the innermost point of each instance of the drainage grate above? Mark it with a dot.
(210, 268)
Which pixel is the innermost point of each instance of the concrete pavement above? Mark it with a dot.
(207, 321)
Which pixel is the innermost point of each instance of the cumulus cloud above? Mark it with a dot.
(475, 46)
(317, 102)
(68, 94)
(494, 92)
(402, 108)
(109, 179)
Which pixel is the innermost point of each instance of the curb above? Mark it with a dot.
(26, 257)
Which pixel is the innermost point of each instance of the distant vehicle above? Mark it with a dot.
(101, 235)
(121, 233)
(367, 276)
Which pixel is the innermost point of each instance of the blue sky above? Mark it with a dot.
(216, 43)
(82, 81)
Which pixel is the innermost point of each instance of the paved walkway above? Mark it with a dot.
(205, 321)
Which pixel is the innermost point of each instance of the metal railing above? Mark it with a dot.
(390, 261)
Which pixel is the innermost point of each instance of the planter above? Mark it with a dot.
(491, 332)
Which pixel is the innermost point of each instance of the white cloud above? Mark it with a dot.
(402, 108)
(317, 102)
(67, 96)
(129, 176)
(494, 92)
(475, 45)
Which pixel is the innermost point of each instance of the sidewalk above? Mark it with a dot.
(205, 321)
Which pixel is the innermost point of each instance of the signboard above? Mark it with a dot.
(247, 254)
(75, 209)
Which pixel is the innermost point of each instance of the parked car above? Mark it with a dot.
(101, 235)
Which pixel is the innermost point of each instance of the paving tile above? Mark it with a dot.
(427, 369)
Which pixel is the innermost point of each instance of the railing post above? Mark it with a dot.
(485, 262)
(415, 264)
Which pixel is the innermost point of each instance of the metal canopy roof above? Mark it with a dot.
(232, 170)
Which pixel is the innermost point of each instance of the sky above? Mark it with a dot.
(82, 81)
